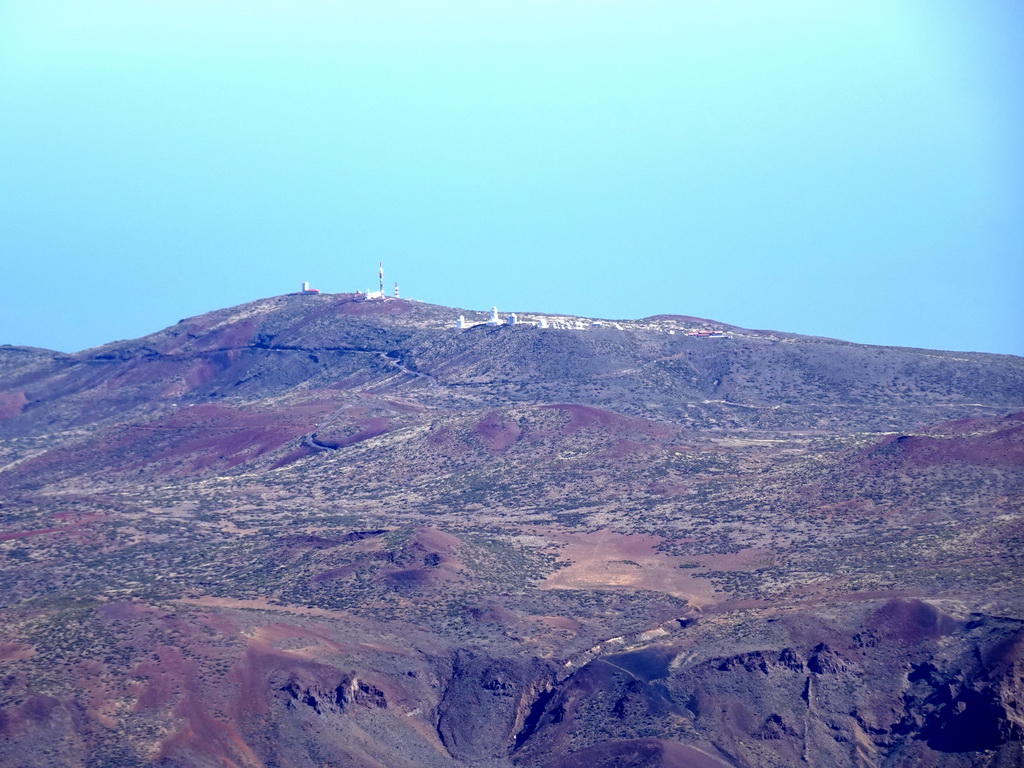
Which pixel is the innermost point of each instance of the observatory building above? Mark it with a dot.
(494, 320)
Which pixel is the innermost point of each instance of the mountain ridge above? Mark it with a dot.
(306, 324)
(446, 316)
(321, 528)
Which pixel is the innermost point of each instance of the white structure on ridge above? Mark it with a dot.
(310, 291)
(494, 319)
(379, 293)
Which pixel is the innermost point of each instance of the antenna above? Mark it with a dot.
(382, 279)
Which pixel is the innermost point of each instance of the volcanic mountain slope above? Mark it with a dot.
(320, 530)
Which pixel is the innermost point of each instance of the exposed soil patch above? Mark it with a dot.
(16, 651)
(258, 604)
(608, 560)
(912, 621)
(497, 431)
(12, 403)
(1002, 448)
(27, 534)
(363, 308)
(333, 439)
(585, 416)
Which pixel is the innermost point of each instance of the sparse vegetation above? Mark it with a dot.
(504, 503)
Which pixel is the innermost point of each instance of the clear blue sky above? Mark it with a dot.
(843, 168)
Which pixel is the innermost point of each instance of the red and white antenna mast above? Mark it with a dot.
(382, 279)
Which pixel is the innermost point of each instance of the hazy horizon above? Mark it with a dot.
(852, 171)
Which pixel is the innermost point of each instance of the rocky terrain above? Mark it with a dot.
(327, 531)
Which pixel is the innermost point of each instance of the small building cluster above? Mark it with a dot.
(495, 319)
(378, 294)
(572, 323)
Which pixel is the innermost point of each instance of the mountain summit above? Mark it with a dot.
(325, 529)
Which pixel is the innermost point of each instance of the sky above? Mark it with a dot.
(852, 169)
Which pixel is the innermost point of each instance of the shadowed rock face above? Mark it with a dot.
(790, 705)
(314, 530)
